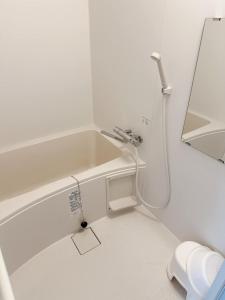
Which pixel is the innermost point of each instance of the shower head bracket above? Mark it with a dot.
(167, 91)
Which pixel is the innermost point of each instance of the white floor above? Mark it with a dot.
(130, 264)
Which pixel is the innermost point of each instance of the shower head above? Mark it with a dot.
(166, 89)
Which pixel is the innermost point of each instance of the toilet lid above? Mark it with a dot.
(202, 267)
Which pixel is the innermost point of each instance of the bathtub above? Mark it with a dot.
(27, 168)
(193, 122)
(37, 180)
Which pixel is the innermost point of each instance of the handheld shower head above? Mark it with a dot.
(166, 89)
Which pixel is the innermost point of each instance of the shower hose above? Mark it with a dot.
(135, 157)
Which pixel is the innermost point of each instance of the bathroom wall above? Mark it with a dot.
(45, 77)
(126, 87)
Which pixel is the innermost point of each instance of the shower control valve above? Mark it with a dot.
(125, 136)
(129, 136)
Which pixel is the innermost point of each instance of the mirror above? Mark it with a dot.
(204, 127)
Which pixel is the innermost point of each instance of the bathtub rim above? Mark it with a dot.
(10, 207)
(47, 138)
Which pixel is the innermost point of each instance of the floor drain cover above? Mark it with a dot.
(85, 240)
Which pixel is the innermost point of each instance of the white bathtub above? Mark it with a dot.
(36, 181)
(27, 168)
(193, 122)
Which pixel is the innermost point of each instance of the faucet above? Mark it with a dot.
(125, 136)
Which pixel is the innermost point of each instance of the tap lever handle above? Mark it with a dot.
(129, 136)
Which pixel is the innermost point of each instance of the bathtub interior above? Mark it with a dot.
(27, 168)
(193, 122)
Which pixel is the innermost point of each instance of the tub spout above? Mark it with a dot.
(129, 136)
(113, 136)
(125, 136)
